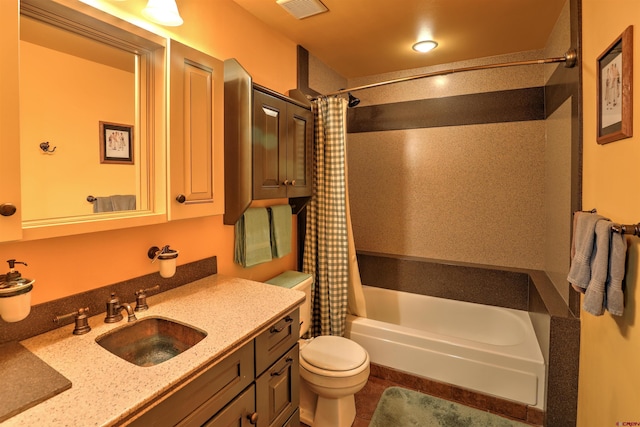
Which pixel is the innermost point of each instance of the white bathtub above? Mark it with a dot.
(492, 350)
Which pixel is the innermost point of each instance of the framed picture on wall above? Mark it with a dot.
(116, 143)
(615, 90)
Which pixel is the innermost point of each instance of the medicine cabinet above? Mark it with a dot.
(196, 162)
(83, 118)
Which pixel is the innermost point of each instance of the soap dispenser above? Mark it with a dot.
(167, 257)
(15, 294)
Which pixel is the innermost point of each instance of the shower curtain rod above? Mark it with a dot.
(569, 59)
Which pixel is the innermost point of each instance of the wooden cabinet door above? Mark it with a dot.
(269, 146)
(299, 154)
(277, 390)
(240, 413)
(282, 144)
(196, 163)
(10, 223)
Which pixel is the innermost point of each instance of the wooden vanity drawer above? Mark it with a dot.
(237, 413)
(276, 340)
(277, 390)
(294, 420)
(203, 396)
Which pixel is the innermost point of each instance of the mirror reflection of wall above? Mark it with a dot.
(69, 83)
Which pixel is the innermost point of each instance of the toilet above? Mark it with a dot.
(332, 368)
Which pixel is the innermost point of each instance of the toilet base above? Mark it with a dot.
(335, 412)
(317, 411)
(308, 401)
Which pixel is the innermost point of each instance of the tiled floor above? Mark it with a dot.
(382, 378)
(367, 400)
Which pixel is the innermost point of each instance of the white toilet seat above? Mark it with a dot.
(334, 356)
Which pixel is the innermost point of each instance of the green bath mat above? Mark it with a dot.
(399, 407)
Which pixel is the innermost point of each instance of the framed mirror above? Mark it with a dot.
(91, 121)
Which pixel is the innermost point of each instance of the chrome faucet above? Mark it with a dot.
(114, 308)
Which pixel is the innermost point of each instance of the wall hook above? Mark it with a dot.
(44, 146)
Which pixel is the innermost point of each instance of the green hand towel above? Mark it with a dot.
(281, 224)
(253, 243)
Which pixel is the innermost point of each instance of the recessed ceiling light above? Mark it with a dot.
(424, 46)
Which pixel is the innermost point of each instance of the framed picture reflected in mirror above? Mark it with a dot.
(116, 143)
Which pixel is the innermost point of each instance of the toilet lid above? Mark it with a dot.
(333, 353)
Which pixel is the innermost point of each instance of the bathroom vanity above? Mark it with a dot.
(245, 371)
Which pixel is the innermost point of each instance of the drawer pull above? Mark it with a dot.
(253, 418)
(281, 371)
(275, 330)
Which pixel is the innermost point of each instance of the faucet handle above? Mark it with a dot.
(141, 298)
(81, 319)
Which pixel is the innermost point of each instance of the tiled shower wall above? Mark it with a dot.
(451, 167)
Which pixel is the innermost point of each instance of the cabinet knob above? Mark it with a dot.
(181, 198)
(293, 182)
(7, 209)
(253, 418)
(285, 182)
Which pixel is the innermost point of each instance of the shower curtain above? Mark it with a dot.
(329, 251)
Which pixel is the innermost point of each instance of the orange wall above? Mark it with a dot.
(68, 265)
(67, 81)
(608, 391)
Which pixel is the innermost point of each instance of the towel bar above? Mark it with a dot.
(632, 229)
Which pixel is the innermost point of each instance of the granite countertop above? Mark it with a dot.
(106, 389)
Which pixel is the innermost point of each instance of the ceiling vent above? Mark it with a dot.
(303, 8)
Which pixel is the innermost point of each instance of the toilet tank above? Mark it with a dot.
(300, 282)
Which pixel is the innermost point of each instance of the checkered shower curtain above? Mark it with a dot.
(326, 247)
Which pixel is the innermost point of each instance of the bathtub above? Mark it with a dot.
(491, 350)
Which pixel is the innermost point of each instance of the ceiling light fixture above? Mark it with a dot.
(424, 46)
(163, 12)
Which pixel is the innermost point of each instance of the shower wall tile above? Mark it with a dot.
(445, 280)
(504, 106)
(464, 193)
(563, 370)
(557, 197)
(559, 40)
(323, 79)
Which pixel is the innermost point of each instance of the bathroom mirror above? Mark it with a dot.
(91, 123)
